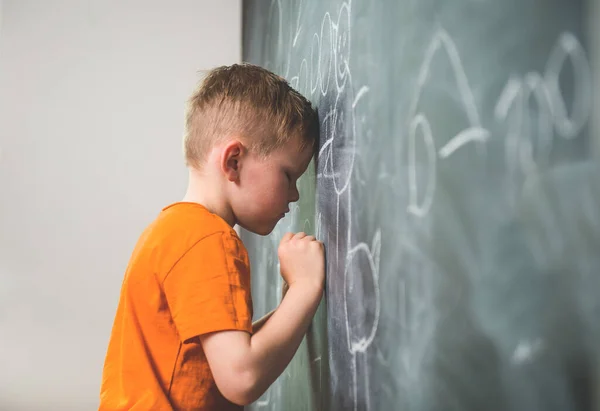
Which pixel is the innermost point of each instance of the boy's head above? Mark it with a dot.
(258, 134)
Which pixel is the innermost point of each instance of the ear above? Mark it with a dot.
(231, 158)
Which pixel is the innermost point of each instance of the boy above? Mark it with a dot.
(182, 337)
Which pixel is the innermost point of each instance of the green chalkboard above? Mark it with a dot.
(457, 197)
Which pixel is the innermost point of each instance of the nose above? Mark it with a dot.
(294, 195)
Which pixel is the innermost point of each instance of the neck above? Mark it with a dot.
(204, 190)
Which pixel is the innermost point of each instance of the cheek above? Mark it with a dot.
(266, 190)
(273, 191)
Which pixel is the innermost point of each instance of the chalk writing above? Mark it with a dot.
(529, 110)
(525, 148)
(474, 132)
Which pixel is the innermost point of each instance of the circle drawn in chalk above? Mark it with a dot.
(569, 48)
(361, 298)
(342, 47)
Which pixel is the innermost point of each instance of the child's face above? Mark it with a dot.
(267, 186)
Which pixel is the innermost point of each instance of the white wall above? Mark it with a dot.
(92, 100)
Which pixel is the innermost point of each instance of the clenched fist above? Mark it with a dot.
(302, 260)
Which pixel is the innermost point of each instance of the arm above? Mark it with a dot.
(244, 366)
(258, 324)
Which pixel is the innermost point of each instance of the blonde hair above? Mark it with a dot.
(252, 103)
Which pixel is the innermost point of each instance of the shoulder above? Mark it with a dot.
(191, 223)
(182, 228)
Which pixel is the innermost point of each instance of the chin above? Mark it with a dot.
(264, 232)
(260, 230)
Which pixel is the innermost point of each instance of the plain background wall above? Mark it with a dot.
(92, 98)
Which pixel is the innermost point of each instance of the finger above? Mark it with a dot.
(299, 235)
(287, 237)
(310, 238)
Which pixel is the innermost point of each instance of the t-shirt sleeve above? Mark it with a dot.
(208, 289)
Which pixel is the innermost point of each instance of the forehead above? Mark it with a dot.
(293, 155)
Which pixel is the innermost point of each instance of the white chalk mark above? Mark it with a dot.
(327, 123)
(354, 381)
(569, 47)
(296, 81)
(325, 166)
(363, 90)
(366, 377)
(526, 351)
(328, 175)
(357, 342)
(349, 231)
(510, 109)
(475, 131)
(329, 53)
(299, 29)
(337, 230)
(515, 97)
(414, 207)
(376, 249)
(342, 49)
(343, 158)
(527, 149)
(318, 227)
(303, 69)
(314, 75)
(462, 138)
(298, 26)
(360, 343)
(306, 227)
(511, 91)
(534, 84)
(325, 76)
(264, 402)
(444, 41)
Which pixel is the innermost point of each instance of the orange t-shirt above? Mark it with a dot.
(189, 275)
